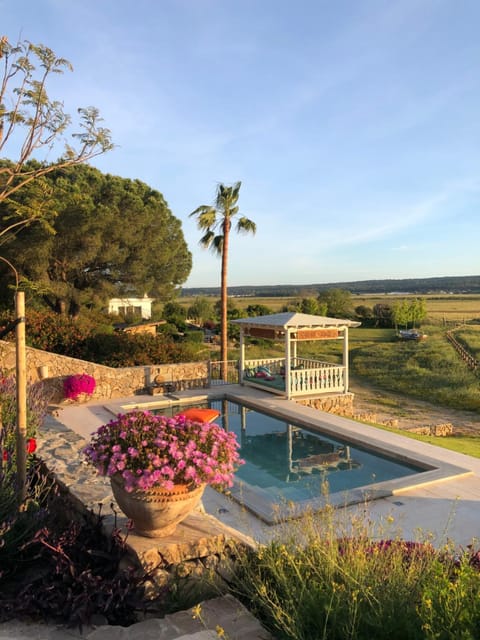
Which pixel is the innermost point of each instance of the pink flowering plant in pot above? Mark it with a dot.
(152, 451)
(77, 385)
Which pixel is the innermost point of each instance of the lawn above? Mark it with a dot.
(468, 445)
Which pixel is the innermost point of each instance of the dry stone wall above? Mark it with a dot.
(201, 544)
(111, 382)
(340, 404)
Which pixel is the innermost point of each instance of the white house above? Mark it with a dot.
(137, 307)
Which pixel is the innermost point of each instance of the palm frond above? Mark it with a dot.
(245, 225)
(206, 240)
(217, 245)
(227, 197)
(206, 217)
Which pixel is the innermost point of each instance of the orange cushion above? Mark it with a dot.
(200, 415)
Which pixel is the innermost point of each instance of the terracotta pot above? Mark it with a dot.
(157, 511)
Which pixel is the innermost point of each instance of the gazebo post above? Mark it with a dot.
(242, 355)
(288, 357)
(345, 359)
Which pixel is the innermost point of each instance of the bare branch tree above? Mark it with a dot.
(32, 124)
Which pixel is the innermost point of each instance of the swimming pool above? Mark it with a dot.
(291, 467)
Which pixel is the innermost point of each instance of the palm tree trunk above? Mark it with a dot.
(223, 303)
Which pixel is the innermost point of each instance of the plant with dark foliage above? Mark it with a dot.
(73, 576)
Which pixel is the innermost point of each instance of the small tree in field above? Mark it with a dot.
(407, 312)
(201, 310)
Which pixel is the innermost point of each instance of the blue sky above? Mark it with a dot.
(353, 125)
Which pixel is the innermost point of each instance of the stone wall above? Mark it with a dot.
(111, 382)
(200, 544)
(340, 404)
(440, 430)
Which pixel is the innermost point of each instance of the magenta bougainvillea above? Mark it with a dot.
(75, 385)
(148, 451)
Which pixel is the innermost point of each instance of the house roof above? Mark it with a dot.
(292, 320)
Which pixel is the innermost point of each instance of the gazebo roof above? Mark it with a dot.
(292, 320)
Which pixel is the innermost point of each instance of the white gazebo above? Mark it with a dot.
(291, 375)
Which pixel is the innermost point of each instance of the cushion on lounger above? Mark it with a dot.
(264, 370)
(264, 375)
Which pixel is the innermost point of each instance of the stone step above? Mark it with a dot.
(223, 613)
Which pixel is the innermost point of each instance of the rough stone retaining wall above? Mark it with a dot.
(441, 430)
(111, 382)
(200, 545)
(340, 404)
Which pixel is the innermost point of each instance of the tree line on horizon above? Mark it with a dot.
(406, 286)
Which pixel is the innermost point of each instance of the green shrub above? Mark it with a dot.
(195, 337)
(55, 333)
(129, 350)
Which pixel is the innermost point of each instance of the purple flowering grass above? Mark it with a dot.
(155, 451)
(38, 400)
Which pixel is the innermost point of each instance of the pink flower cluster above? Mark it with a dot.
(155, 451)
(77, 384)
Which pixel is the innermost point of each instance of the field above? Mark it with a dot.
(441, 308)
(430, 370)
(446, 308)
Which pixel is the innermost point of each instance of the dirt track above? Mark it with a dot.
(409, 412)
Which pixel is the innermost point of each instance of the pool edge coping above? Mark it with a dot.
(436, 469)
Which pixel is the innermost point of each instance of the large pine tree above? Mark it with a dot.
(105, 236)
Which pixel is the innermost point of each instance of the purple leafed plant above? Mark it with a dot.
(75, 385)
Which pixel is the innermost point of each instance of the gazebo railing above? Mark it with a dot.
(324, 379)
(307, 376)
(274, 364)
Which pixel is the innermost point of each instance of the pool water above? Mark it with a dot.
(286, 462)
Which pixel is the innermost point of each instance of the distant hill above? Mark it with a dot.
(446, 284)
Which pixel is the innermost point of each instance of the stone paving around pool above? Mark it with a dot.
(445, 505)
(443, 508)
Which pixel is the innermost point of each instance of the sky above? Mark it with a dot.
(353, 125)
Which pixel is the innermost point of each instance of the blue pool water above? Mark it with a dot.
(287, 462)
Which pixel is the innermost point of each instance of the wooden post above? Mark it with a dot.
(345, 358)
(288, 358)
(242, 356)
(2, 442)
(21, 371)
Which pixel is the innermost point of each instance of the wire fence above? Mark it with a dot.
(216, 377)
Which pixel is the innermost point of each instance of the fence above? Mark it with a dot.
(215, 372)
(466, 356)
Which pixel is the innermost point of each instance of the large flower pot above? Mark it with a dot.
(157, 511)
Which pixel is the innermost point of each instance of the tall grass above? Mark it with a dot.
(317, 583)
(430, 370)
(18, 521)
(470, 338)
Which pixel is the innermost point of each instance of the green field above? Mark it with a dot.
(444, 308)
(448, 308)
(427, 370)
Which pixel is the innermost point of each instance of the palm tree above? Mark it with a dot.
(216, 221)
